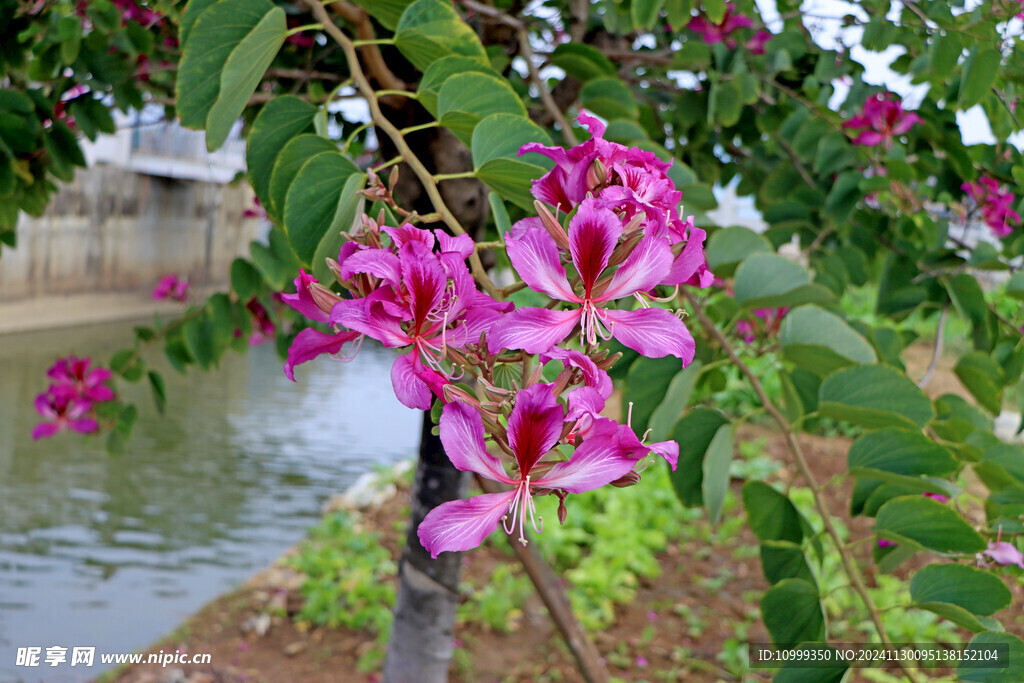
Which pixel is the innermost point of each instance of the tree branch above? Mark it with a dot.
(542, 88)
(358, 17)
(937, 351)
(395, 135)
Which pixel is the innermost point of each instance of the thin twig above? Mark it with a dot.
(389, 129)
(542, 88)
(358, 17)
(937, 351)
(492, 13)
(849, 565)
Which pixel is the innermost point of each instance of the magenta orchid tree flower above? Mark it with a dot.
(722, 32)
(882, 118)
(63, 411)
(75, 377)
(994, 203)
(628, 180)
(535, 427)
(593, 236)
(171, 287)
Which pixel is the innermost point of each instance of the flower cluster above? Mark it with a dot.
(722, 32)
(68, 402)
(409, 288)
(765, 324)
(880, 120)
(994, 203)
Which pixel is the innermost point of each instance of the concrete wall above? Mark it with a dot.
(117, 231)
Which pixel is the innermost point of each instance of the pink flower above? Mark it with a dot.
(994, 204)
(749, 330)
(1002, 553)
(883, 118)
(936, 496)
(256, 210)
(534, 428)
(593, 235)
(170, 287)
(722, 32)
(423, 299)
(73, 379)
(628, 181)
(757, 43)
(65, 412)
(882, 543)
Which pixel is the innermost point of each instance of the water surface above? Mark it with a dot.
(114, 551)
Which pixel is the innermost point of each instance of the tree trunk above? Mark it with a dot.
(420, 648)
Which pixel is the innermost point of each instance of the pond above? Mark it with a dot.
(115, 551)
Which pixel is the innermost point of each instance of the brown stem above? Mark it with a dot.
(937, 351)
(557, 602)
(358, 17)
(383, 124)
(849, 565)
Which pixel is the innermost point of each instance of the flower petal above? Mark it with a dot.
(534, 426)
(599, 461)
(463, 524)
(534, 255)
(652, 332)
(462, 434)
(311, 343)
(302, 301)
(411, 390)
(593, 233)
(535, 330)
(380, 263)
(642, 270)
(593, 376)
(44, 430)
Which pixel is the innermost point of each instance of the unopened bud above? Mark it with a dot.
(563, 513)
(597, 175)
(622, 251)
(553, 227)
(335, 269)
(393, 178)
(629, 479)
(323, 297)
(606, 363)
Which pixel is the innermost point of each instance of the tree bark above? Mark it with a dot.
(422, 635)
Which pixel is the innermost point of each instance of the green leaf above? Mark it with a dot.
(610, 98)
(716, 471)
(727, 247)
(198, 333)
(726, 103)
(983, 378)
(582, 62)
(694, 434)
(677, 396)
(844, 195)
(156, 382)
(715, 9)
(1015, 286)
(127, 363)
(466, 99)
(211, 43)
(242, 73)
(440, 71)
(771, 281)
(246, 281)
(282, 119)
(511, 179)
(678, 12)
(499, 136)
(645, 13)
(646, 385)
(928, 525)
(874, 396)
(430, 30)
(979, 74)
(502, 223)
(902, 452)
(313, 209)
(980, 670)
(771, 514)
(944, 52)
(791, 611)
(188, 19)
(290, 160)
(969, 300)
(784, 560)
(977, 591)
(387, 12)
(822, 342)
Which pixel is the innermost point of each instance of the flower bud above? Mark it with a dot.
(597, 175)
(323, 297)
(628, 479)
(563, 513)
(335, 269)
(554, 229)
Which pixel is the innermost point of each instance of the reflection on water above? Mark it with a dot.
(113, 552)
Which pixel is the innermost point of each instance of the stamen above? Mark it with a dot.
(629, 415)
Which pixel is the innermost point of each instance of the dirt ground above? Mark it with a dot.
(643, 644)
